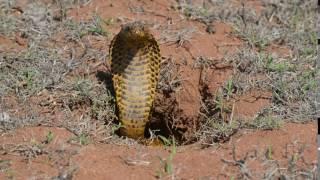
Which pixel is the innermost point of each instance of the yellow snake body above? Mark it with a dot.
(135, 64)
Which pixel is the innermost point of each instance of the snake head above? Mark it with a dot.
(136, 31)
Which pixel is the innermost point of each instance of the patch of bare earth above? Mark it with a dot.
(35, 152)
(25, 153)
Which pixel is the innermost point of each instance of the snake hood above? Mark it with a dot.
(135, 64)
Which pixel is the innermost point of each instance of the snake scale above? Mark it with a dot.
(135, 65)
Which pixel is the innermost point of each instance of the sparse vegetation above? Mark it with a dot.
(167, 164)
(269, 153)
(292, 170)
(214, 131)
(53, 73)
(49, 137)
(170, 79)
(277, 24)
(266, 123)
(255, 68)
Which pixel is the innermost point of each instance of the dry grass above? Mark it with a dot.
(65, 74)
(43, 68)
(296, 167)
(170, 79)
(290, 24)
(291, 79)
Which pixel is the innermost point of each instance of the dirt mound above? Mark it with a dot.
(184, 46)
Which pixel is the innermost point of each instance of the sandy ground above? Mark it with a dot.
(49, 151)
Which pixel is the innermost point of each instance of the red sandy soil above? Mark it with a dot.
(11, 45)
(161, 16)
(111, 161)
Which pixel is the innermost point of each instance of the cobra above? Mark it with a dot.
(135, 65)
